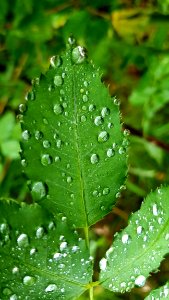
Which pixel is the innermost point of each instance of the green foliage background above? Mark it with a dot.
(129, 41)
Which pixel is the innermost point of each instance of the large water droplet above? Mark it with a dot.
(28, 280)
(58, 109)
(22, 240)
(125, 238)
(46, 144)
(46, 159)
(103, 137)
(78, 55)
(51, 288)
(94, 158)
(39, 190)
(140, 281)
(58, 80)
(26, 135)
(55, 61)
(105, 111)
(98, 120)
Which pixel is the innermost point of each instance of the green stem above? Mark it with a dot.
(91, 293)
(86, 232)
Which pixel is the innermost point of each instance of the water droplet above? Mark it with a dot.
(7, 291)
(69, 179)
(39, 190)
(139, 229)
(15, 270)
(85, 98)
(30, 96)
(38, 135)
(63, 246)
(55, 61)
(46, 144)
(58, 143)
(22, 108)
(81, 91)
(85, 83)
(22, 240)
(94, 158)
(28, 280)
(13, 297)
(126, 238)
(83, 119)
(45, 121)
(51, 288)
(58, 109)
(58, 80)
(110, 152)
(75, 249)
(33, 251)
(57, 256)
(71, 40)
(118, 195)
(92, 107)
(126, 132)
(40, 232)
(106, 191)
(105, 112)
(122, 150)
(26, 135)
(46, 159)
(140, 281)
(103, 264)
(95, 193)
(155, 209)
(57, 158)
(24, 163)
(78, 55)
(116, 101)
(103, 137)
(98, 121)
(35, 81)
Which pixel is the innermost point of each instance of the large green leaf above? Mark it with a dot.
(72, 140)
(140, 247)
(40, 257)
(159, 294)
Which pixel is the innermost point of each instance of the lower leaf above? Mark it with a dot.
(162, 293)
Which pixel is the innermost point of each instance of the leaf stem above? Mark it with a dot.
(86, 232)
(91, 293)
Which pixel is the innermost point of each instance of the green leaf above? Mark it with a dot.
(72, 139)
(40, 257)
(140, 247)
(162, 293)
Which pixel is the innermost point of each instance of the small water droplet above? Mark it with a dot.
(58, 80)
(58, 109)
(35, 81)
(46, 159)
(51, 288)
(85, 83)
(92, 107)
(155, 209)
(46, 144)
(110, 125)
(7, 291)
(95, 193)
(110, 152)
(26, 135)
(40, 232)
(98, 121)
(15, 270)
(22, 108)
(45, 121)
(69, 179)
(30, 96)
(122, 150)
(139, 229)
(24, 163)
(55, 61)
(38, 135)
(106, 191)
(13, 297)
(71, 40)
(57, 158)
(39, 190)
(22, 240)
(63, 246)
(118, 195)
(75, 249)
(94, 158)
(103, 264)
(116, 101)
(58, 143)
(103, 137)
(140, 281)
(85, 98)
(126, 238)
(81, 91)
(28, 280)
(126, 132)
(33, 251)
(78, 55)
(83, 119)
(105, 112)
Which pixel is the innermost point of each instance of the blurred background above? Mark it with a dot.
(129, 41)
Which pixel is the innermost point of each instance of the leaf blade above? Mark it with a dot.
(161, 293)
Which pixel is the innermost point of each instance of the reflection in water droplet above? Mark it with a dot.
(98, 120)
(58, 109)
(46, 144)
(94, 158)
(22, 240)
(39, 190)
(58, 80)
(78, 55)
(103, 136)
(55, 61)
(110, 152)
(26, 135)
(105, 112)
(46, 159)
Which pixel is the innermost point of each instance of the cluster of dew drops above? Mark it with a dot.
(153, 227)
(78, 57)
(61, 257)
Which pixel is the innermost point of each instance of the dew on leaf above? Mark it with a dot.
(38, 135)
(75, 249)
(23, 163)
(139, 229)
(30, 96)
(28, 280)
(45, 121)
(13, 297)
(116, 101)
(110, 152)
(94, 158)
(83, 119)
(22, 108)
(78, 55)
(15, 270)
(140, 281)
(58, 143)
(105, 112)
(7, 291)
(103, 264)
(63, 246)
(51, 288)
(92, 107)
(85, 98)
(57, 158)
(26, 135)
(110, 125)
(33, 251)
(85, 83)
(126, 238)
(3, 227)
(58, 109)
(46, 144)
(39, 190)
(55, 61)
(69, 179)
(98, 120)
(106, 191)
(58, 80)
(122, 150)
(71, 40)
(40, 232)
(126, 132)
(46, 159)
(155, 209)
(35, 81)
(57, 256)
(22, 240)
(103, 136)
